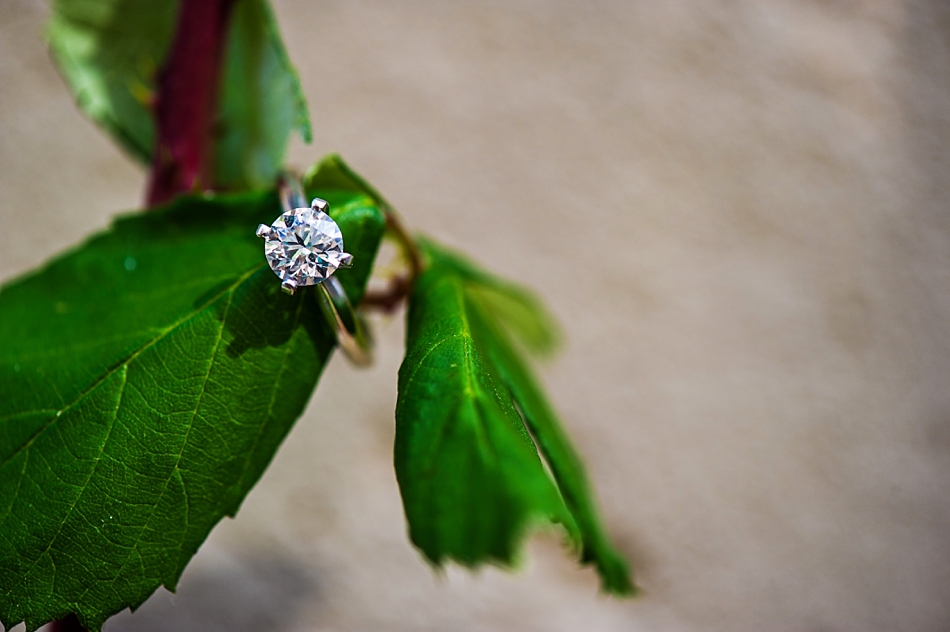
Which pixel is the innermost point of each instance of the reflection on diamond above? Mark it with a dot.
(304, 246)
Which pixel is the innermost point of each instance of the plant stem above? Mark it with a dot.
(186, 99)
(401, 286)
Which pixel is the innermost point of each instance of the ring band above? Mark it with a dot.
(358, 344)
(352, 334)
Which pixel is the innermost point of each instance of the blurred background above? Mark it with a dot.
(738, 210)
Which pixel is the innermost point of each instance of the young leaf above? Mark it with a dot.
(146, 380)
(261, 101)
(469, 473)
(109, 52)
(470, 477)
(514, 307)
(332, 173)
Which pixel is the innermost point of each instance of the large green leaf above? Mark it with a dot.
(109, 53)
(470, 476)
(146, 380)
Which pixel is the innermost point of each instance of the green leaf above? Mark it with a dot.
(513, 306)
(109, 53)
(261, 101)
(332, 173)
(146, 380)
(470, 476)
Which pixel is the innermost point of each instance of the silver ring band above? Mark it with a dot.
(356, 344)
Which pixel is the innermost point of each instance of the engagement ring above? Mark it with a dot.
(304, 247)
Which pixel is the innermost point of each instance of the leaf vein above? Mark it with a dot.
(184, 443)
(124, 363)
(83, 487)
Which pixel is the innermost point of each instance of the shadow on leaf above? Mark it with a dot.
(261, 315)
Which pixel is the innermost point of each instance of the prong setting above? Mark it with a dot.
(304, 246)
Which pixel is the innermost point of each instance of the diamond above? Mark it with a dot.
(304, 246)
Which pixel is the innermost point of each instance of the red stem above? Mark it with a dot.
(400, 287)
(186, 100)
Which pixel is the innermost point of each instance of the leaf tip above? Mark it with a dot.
(613, 569)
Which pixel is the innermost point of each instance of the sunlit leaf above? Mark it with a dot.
(109, 52)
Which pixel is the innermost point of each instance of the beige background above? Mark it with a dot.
(739, 210)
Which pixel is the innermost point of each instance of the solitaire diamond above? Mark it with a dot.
(304, 246)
